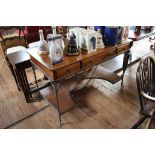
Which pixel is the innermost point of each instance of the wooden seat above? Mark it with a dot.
(146, 88)
(15, 49)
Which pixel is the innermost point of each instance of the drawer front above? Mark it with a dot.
(121, 49)
(68, 70)
(98, 58)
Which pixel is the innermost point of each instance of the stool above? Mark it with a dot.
(20, 61)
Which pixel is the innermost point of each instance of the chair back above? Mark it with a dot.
(11, 36)
(145, 77)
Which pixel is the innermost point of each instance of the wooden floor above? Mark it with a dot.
(101, 105)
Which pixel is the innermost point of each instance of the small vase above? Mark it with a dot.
(42, 45)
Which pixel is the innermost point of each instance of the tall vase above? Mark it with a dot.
(42, 46)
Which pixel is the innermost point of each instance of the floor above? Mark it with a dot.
(101, 105)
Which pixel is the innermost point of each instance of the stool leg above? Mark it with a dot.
(16, 79)
(139, 122)
(27, 84)
(35, 77)
(18, 82)
(21, 79)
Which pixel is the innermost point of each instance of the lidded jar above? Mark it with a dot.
(55, 48)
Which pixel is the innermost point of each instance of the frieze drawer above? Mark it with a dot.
(98, 58)
(68, 70)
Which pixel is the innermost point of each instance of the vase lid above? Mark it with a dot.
(53, 36)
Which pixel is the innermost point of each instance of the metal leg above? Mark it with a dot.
(125, 63)
(20, 76)
(55, 86)
(35, 77)
(139, 122)
(83, 81)
(26, 90)
(26, 84)
(91, 74)
(18, 82)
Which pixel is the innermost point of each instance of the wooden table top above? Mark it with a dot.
(68, 60)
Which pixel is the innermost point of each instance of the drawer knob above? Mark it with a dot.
(68, 71)
(90, 62)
